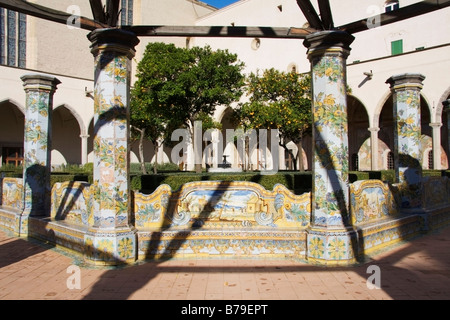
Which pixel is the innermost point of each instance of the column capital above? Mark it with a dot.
(406, 80)
(324, 41)
(116, 40)
(39, 82)
(435, 125)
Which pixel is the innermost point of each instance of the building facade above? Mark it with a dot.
(417, 45)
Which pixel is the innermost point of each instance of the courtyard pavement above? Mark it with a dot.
(414, 270)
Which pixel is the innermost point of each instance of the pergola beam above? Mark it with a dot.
(45, 13)
(219, 31)
(97, 10)
(310, 14)
(404, 13)
(112, 12)
(325, 14)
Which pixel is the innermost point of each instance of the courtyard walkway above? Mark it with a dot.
(419, 269)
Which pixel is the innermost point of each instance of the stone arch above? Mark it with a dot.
(229, 148)
(66, 131)
(440, 107)
(12, 126)
(379, 108)
(15, 103)
(358, 125)
(76, 115)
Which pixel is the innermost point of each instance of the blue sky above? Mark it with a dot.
(219, 3)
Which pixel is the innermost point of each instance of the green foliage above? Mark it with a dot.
(299, 182)
(176, 86)
(7, 167)
(135, 168)
(54, 178)
(278, 100)
(89, 167)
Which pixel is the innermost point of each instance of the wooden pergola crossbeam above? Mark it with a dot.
(97, 10)
(404, 13)
(219, 31)
(109, 18)
(325, 14)
(310, 14)
(45, 13)
(112, 12)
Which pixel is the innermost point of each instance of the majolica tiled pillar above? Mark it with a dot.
(39, 91)
(111, 239)
(408, 170)
(330, 240)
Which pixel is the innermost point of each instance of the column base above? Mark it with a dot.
(332, 247)
(110, 247)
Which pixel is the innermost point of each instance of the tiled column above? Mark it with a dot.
(330, 240)
(39, 91)
(408, 170)
(111, 240)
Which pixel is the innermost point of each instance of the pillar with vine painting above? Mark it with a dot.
(111, 239)
(330, 240)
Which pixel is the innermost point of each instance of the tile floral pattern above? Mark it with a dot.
(371, 200)
(211, 204)
(408, 168)
(71, 202)
(110, 237)
(109, 247)
(329, 241)
(37, 145)
(211, 218)
(111, 181)
(12, 193)
(330, 161)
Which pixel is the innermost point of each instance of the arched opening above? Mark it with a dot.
(12, 126)
(230, 153)
(66, 141)
(358, 124)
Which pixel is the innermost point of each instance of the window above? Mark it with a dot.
(396, 47)
(391, 5)
(390, 161)
(126, 15)
(256, 43)
(12, 155)
(13, 33)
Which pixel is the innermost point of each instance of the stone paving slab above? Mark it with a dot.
(414, 270)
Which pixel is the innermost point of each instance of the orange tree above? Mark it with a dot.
(177, 86)
(279, 100)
